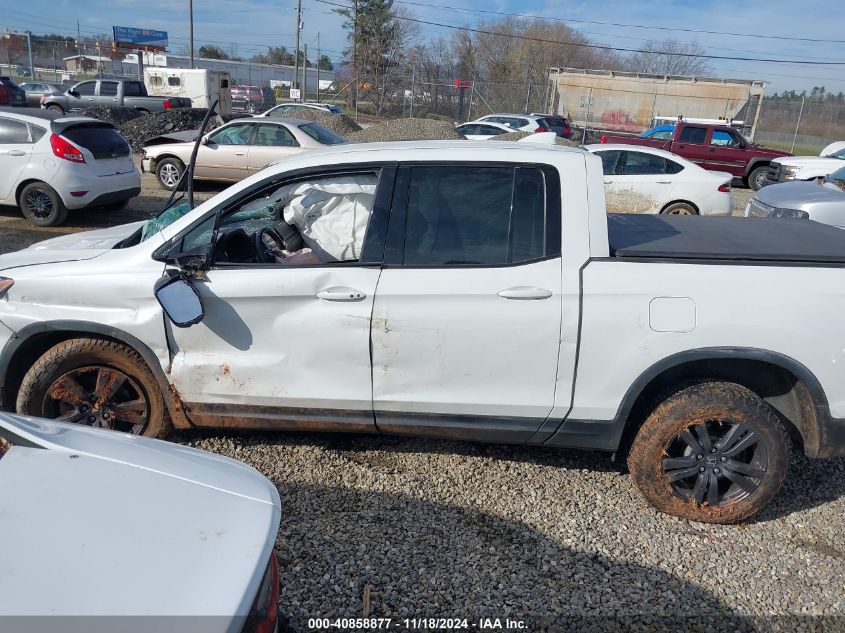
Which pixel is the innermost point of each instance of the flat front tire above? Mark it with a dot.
(713, 452)
(95, 382)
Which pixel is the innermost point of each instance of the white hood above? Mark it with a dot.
(71, 247)
(102, 523)
(811, 161)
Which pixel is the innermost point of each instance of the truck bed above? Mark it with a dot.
(724, 238)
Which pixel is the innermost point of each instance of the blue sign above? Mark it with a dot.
(128, 37)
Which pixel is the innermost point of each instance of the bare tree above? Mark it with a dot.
(670, 57)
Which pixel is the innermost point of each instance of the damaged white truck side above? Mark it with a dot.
(464, 290)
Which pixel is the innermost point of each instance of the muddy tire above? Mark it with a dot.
(679, 208)
(95, 382)
(713, 452)
(169, 171)
(41, 205)
(757, 177)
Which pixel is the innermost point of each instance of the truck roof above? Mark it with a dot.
(730, 239)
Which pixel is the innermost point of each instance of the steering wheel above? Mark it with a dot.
(266, 241)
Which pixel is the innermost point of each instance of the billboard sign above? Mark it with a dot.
(147, 39)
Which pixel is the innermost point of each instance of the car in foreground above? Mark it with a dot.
(236, 150)
(110, 93)
(11, 94)
(794, 168)
(51, 164)
(460, 289)
(521, 122)
(482, 131)
(111, 530)
(641, 179)
(290, 109)
(37, 89)
(822, 200)
(716, 147)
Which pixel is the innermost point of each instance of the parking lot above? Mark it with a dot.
(412, 528)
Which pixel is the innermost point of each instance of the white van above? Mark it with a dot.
(201, 86)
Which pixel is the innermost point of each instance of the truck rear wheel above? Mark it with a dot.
(757, 177)
(95, 382)
(714, 452)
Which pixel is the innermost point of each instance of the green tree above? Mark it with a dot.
(324, 63)
(210, 51)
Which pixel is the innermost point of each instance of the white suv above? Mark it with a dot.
(51, 163)
(517, 122)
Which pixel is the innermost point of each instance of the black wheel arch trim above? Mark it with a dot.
(754, 163)
(827, 439)
(83, 328)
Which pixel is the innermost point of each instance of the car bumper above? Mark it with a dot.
(99, 189)
(146, 165)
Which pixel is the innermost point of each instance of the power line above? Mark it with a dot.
(633, 26)
(604, 47)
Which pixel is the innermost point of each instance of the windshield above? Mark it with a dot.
(840, 154)
(321, 134)
(837, 178)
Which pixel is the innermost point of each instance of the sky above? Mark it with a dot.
(246, 27)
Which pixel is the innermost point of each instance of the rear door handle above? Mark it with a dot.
(525, 293)
(13, 152)
(341, 293)
(663, 182)
(240, 153)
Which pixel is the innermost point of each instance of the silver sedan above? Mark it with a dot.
(236, 150)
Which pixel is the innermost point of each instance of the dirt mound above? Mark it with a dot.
(144, 127)
(515, 136)
(340, 124)
(115, 116)
(406, 130)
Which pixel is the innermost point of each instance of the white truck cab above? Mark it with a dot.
(451, 289)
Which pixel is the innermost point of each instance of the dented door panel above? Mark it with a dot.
(268, 340)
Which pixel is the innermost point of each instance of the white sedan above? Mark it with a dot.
(641, 179)
(155, 535)
(481, 131)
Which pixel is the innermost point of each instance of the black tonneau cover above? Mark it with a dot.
(724, 238)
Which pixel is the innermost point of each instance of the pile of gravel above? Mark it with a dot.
(406, 130)
(340, 124)
(515, 136)
(147, 126)
(115, 116)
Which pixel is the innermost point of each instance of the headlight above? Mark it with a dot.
(789, 214)
(5, 284)
(789, 173)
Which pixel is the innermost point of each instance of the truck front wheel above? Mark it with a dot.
(757, 177)
(95, 382)
(714, 452)
(56, 108)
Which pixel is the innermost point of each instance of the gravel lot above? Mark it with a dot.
(558, 539)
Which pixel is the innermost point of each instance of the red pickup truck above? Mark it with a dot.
(714, 147)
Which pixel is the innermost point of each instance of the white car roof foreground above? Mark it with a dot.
(33, 115)
(158, 528)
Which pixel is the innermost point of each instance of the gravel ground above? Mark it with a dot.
(558, 539)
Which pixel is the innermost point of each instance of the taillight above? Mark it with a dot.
(603, 139)
(725, 188)
(567, 130)
(265, 608)
(542, 129)
(5, 284)
(65, 150)
(167, 104)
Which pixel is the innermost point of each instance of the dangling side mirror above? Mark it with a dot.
(180, 300)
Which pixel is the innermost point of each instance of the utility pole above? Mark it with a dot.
(305, 73)
(354, 92)
(191, 30)
(78, 48)
(318, 66)
(296, 52)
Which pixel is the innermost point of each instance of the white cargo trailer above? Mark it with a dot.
(201, 86)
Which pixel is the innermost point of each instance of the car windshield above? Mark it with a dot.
(840, 154)
(837, 178)
(321, 134)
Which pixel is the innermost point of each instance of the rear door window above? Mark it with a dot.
(691, 134)
(133, 89)
(13, 132)
(609, 161)
(474, 215)
(642, 164)
(108, 88)
(101, 140)
(275, 136)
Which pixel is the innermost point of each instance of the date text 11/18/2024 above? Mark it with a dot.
(416, 624)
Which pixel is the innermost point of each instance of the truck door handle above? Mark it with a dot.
(711, 151)
(90, 98)
(525, 293)
(341, 293)
(682, 146)
(240, 153)
(663, 182)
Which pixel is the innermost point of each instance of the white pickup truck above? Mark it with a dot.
(451, 289)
